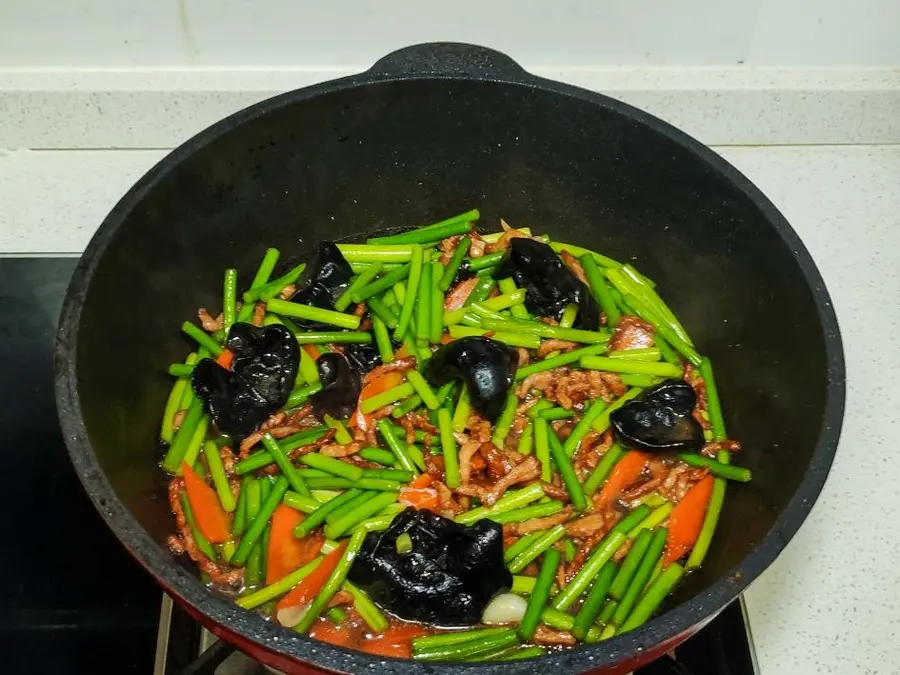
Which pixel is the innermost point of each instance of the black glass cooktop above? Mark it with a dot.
(73, 600)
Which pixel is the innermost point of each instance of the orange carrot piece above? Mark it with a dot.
(686, 519)
(627, 471)
(422, 498)
(225, 359)
(312, 351)
(286, 553)
(211, 517)
(306, 590)
(421, 481)
(418, 494)
(387, 381)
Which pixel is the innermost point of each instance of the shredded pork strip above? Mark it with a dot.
(448, 247)
(622, 551)
(277, 432)
(631, 333)
(466, 452)
(183, 542)
(555, 491)
(338, 450)
(177, 419)
(586, 526)
(537, 524)
(524, 356)
(525, 472)
(584, 550)
(210, 324)
(568, 387)
(554, 345)
(312, 447)
(479, 245)
(547, 636)
(479, 428)
(712, 449)
(259, 313)
(458, 295)
(420, 421)
(573, 264)
(497, 464)
(613, 383)
(640, 490)
(342, 597)
(509, 233)
(701, 409)
(593, 447)
(280, 425)
(227, 455)
(561, 578)
(610, 517)
(403, 364)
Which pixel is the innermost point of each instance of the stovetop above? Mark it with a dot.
(722, 648)
(74, 602)
(73, 599)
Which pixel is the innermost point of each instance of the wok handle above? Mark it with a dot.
(449, 59)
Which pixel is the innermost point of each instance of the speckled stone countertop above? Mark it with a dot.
(829, 604)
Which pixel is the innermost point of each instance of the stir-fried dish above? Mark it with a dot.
(446, 445)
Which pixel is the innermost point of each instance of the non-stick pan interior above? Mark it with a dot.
(407, 153)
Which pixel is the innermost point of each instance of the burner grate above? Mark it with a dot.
(723, 647)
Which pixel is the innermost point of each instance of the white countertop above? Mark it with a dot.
(829, 604)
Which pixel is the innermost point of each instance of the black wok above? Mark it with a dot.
(430, 131)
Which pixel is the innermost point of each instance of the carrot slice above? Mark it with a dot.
(422, 498)
(421, 481)
(387, 381)
(225, 359)
(211, 517)
(686, 519)
(627, 471)
(313, 351)
(418, 494)
(306, 590)
(286, 553)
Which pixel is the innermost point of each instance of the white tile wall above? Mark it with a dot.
(121, 33)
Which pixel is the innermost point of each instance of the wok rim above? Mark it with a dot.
(249, 626)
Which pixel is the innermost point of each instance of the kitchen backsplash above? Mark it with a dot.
(340, 33)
